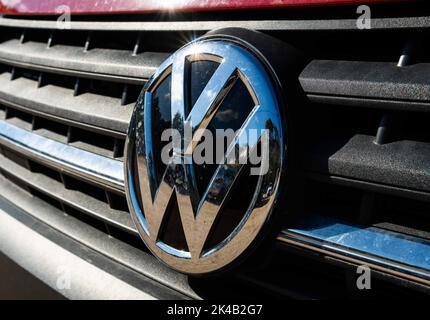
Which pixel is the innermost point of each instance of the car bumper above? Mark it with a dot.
(59, 266)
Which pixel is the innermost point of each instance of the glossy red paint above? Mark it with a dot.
(147, 6)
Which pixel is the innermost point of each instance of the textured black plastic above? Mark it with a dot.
(107, 64)
(401, 163)
(382, 83)
(55, 101)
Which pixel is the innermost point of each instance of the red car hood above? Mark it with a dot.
(145, 6)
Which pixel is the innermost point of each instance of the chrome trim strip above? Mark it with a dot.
(321, 24)
(389, 251)
(82, 163)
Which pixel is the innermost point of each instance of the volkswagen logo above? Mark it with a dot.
(199, 218)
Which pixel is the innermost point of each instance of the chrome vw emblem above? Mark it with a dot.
(166, 200)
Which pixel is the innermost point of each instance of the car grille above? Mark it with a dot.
(85, 112)
(360, 143)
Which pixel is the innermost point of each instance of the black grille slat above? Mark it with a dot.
(372, 83)
(400, 163)
(104, 145)
(50, 129)
(19, 119)
(46, 183)
(111, 65)
(94, 142)
(60, 102)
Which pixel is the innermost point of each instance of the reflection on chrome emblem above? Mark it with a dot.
(193, 228)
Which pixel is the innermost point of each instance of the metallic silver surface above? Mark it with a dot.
(198, 214)
(385, 250)
(76, 161)
(284, 24)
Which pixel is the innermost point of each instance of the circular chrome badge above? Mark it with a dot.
(198, 211)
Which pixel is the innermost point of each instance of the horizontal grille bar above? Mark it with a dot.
(393, 253)
(368, 84)
(95, 111)
(304, 24)
(106, 64)
(74, 198)
(400, 163)
(86, 165)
